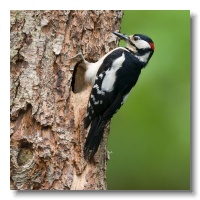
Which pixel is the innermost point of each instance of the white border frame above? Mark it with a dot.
(99, 5)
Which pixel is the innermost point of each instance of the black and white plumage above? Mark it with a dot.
(113, 77)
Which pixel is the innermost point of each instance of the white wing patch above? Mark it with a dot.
(93, 68)
(98, 90)
(110, 76)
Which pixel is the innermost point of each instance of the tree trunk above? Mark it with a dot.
(49, 97)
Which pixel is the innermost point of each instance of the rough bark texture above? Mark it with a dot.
(49, 97)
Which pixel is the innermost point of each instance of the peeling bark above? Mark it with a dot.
(47, 133)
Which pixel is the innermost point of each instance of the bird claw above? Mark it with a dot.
(79, 49)
(79, 54)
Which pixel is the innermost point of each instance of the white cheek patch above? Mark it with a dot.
(141, 44)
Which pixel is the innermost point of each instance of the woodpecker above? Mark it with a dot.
(112, 78)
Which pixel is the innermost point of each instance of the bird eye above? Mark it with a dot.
(136, 38)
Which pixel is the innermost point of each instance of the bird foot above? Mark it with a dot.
(79, 54)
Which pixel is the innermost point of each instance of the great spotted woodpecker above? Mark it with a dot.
(112, 77)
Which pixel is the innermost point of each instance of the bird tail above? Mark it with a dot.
(94, 138)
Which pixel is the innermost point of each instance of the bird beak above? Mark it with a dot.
(122, 36)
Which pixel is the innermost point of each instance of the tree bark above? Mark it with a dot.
(49, 97)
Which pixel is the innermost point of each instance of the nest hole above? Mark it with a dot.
(78, 83)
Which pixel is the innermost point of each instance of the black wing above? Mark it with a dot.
(103, 105)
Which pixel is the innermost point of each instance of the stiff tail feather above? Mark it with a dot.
(94, 138)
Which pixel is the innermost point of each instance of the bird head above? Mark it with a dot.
(137, 43)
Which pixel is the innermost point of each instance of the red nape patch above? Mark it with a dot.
(152, 46)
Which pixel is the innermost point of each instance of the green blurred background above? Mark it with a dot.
(150, 135)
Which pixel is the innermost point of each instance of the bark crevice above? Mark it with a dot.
(49, 97)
